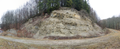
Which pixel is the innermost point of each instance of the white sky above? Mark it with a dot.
(106, 8)
(10, 5)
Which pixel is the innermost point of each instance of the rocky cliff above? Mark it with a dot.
(65, 22)
(62, 24)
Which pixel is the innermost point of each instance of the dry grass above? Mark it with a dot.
(5, 44)
(112, 42)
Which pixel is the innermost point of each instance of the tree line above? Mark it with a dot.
(15, 18)
(113, 22)
(50, 5)
(33, 8)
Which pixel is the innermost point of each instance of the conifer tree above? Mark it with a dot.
(69, 3)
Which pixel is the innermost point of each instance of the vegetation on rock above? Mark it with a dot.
(34, 8)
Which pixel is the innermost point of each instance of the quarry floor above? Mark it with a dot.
(109, 41)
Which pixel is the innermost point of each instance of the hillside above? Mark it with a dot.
(65, 28)
(65, 22)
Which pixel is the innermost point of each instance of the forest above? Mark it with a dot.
(34, 8)
(113, 22)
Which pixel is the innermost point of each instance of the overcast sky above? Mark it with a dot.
(10, 5)
(106, 8)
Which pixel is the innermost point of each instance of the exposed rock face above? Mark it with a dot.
(11, 32)
(66, 22)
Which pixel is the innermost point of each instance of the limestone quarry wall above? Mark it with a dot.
(65, 22)
(68, 23)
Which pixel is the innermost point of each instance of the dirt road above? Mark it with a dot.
(108, 41)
